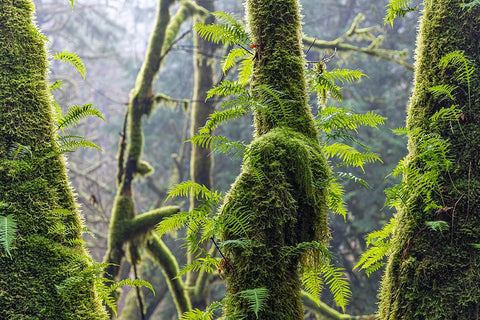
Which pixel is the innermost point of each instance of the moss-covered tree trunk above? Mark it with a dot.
(34, 188)
(435, 274)
(280, 191)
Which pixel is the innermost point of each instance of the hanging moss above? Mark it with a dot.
(281, 189)
(48, 248)
(433, 274)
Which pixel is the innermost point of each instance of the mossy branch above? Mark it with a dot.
(396, 56)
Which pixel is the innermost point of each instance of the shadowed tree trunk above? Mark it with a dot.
(47, 275)
(280, 190)
(435, 274)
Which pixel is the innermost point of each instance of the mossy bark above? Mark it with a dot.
(48, 249)
(281, 189)
(433, 274)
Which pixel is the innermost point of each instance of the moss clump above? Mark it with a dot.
(48, 248)
(432, 274)
(281, 192)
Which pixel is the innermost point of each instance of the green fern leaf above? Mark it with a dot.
(187, 188)
(227, 88)
(470, 5)
(56, 85)
(443, 91)
(338, 284)
(245, 71)
(351, 177)
(76, 113)
(207, 264)
(349, 155)
(73, 59)
(8, 232)
(438, 225)
(227, 31)
(131, 283)
(398, 8)
(19, 151)
(233, 57)
(343, 75)
(256, 298)
(69, 143)
(335, 198)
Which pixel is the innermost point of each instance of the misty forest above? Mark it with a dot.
(239, 159)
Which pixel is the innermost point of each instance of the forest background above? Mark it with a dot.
(111, 37)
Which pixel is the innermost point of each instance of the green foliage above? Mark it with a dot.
(470, 5)
(398, 8)
(438, 225)
(8, 231)
(256, 298)
(227, 88)
(379, 248)
(350, 156)
(75, 114)
(18, 151)
(56, 85)
(443, 91)
(71, 58)
(227, 31)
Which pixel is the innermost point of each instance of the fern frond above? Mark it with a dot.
(219, 117)
(322, 86)
(438, 225)
(233, 57)
(18, 151)
(76, 113)
(227, 31)
(352, 177)
(312, 283)
(335, 198)
(332, 118)
(237, 243)
(443, 91)
(227, 88)
(70, 142)
(56, 85)
(73, 59)
(343, 75)
(8, 232)
(465, 68)
(131, 283)
(379, 247)
(470, 5)
(349, 155)
(245, 71)
(256, 298)
(338, 284)
(219, 143)
(187, 188)
(236, 222)
(208, 264)
(398, 8)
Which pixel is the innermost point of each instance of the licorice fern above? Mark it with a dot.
(72, 59)
(398, 8)
(255, 298)
(8, 231)
(469, 6)
(75, 114)
(227, 31)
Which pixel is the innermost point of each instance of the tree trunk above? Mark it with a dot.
(280, 191)
(435, 274)
(47, 275)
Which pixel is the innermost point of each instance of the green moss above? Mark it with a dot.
(48, 247)
(433, 275)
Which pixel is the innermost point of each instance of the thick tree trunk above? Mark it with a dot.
(280, 191)
(433, 274)
(47, 276)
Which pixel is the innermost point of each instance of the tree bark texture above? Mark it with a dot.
(48, 275)
(280, 191)
(435, 274)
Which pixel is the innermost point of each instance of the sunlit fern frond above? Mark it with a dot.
(207, 264)
(56, 85)
(443, 91)
(70, 142)
(220, 144)
(338, 284)
(18, 151)
(343, 75)
(222, 116)
(76, 113)
(73, 59)
(235, 55)
(227, 31)
(227, 88)
(335, 200)
(398, 8)
(199, 191)
(379, 245)
(349, 155)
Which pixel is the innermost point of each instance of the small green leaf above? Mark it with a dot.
(8, 232)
